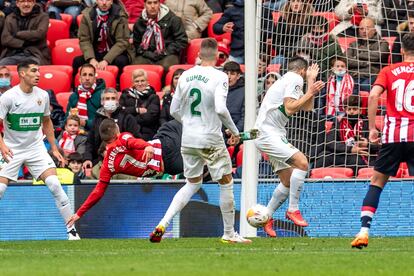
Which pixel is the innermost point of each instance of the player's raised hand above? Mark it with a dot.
(317, 87)
(373, 136)
(6, 152)
(74, 218)
(312, 71)
(148, 153)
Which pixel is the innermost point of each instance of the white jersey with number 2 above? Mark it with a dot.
(272, 118)
(199, 102)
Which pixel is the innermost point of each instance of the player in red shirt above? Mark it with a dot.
(398, 133)
(125, 154)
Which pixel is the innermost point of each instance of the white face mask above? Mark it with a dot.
(339, 73)
(110, 105)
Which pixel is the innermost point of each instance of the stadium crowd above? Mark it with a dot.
(121, 59)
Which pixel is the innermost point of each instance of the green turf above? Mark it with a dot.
(284, 256)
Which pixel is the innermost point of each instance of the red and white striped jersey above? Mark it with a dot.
(398, 80)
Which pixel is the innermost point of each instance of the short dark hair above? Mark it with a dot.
(23, 66)
(297, 63)
(87, 65)
(232, 66)
(108, 129)
(352, 100)
(410, 14)
(335, 58)
(408, 43)
(75, 156)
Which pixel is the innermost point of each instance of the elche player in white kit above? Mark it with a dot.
(397, 80)
(25, 115)
(199, 102)
(283, 99)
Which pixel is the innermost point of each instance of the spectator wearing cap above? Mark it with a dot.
(235, 96)
(224, 53)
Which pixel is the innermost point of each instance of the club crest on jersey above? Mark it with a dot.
(39, 101)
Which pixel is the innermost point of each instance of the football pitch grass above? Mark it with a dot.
(202, 256)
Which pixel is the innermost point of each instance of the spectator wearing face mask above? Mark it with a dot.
(5, 79)
(339, 87)
(110, 109)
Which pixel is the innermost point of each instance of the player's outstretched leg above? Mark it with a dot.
(62, 203)
(296, 185)
(369, 206)
(180, 200)
(227, 212)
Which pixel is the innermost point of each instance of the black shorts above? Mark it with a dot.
(391, 155)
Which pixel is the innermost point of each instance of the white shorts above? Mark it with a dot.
(278, 149)
(37, 160)
(216, 158)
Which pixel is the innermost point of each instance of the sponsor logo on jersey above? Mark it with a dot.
(29, 121)
(39, 102)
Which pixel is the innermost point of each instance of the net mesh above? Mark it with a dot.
(360, 37)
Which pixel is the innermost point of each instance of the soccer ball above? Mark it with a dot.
(258, 215)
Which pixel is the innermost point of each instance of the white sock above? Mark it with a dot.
(3, 188)
(296, 185)
(180, 200)
(227, 207)
(364, 230)
(61, 199)
(280, 194)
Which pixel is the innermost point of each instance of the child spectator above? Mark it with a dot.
(70, 140)
(339, 87)
(75, 162)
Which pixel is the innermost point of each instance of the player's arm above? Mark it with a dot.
(220, 99)
(47, 128)
(373, 98)
(176, 103)
(133, 143)
(5, 105)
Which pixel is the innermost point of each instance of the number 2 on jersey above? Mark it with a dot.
(404, 95)
(196, 94)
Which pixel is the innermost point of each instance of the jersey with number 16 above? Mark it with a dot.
(398, 81)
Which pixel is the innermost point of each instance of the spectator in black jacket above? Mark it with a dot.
(235, 96)
(232, 21)
(142, 103)
(110, 109)
(165, 115)
(159, 36)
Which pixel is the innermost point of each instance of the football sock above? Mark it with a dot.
(227, 207)
(61, 199)
(280, 194)
(181, 198)
(369, 206)
(296, 185)
(3, 188)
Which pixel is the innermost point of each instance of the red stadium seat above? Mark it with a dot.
(365, 173)
(363, 96)
(63, 99)
(153, 80)
(107, 76)
(226, 37)
(58, 81)
(344, 42)
(67, 18)
(14, 78)
(113, 69)
(173, 68)
(231, 149)
(332, 173)
(333, 20)
(58, 29)
(64, 68)
(147, 67)
(64, 55)
(67, 42)
(239, 158)
(193, 49)
(12, 67)
(379, 122)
